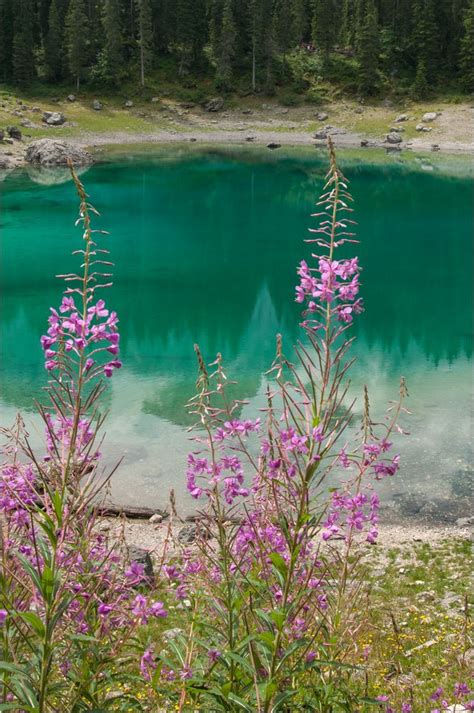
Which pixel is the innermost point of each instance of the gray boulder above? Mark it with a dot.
(273, 145)
(53, 118)
(14, 133)
(215, 104)
(97, 105)
(128, 104)
(320, 135)
(400, 118)
(71, 97)
(27, 124)
(422, 127)
(429, 116)
(322, 116)
(394, 138)
(53, 152)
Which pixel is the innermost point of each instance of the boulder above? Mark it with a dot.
(247, 111)
(53, 118)
(2, 134)
(394, 138)
(429, 116)
(141, 556)
(52, 152)
(155, 100)
(71, 97)
(215, 104)
(400, 118)
(29, 124)
(97, 105)
(422, 127)
(53, 176)
(273, 145)
(359, 110)
(322, 116)
(320, 135)
(14, 133)
(128, 104)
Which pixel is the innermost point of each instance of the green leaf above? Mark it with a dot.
(239, 702)
(34, 621)
(281, 699)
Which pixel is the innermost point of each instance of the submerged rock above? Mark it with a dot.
(52, 175)
(54, 152)
(273, 145)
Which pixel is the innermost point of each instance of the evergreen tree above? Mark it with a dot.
(145, 38)
(425, 37)
(44, 7)
(77, 43)
(347, 31)
(368, 52)
(191, 33)
(23, 57)
(300, 13)
(113, 40)
(225, 46)
(284, 34)
(6, 40)
(420, 88)
(467, 50)
(324, 25)
(54, 42)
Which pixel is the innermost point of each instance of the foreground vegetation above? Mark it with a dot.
(280, 602)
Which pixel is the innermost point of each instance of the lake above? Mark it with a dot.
(205, 244)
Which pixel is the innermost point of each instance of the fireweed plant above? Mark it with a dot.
(70, 603)
(275, 587)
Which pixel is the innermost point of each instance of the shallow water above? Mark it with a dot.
(205, 247)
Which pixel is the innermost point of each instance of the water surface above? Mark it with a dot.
(205, 246)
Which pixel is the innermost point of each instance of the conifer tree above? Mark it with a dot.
(113, 40)
(226, 45)
(77, 43)
(300, 15)
(6, 40)
(425, 37)
(54, 41)
(368, 52)
(283, 26)
(420, 88)
(467, 49)
(324, 25)
(191, 33)
(145, 38)
(23, 57)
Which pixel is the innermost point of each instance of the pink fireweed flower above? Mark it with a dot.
(158, 609)
(3, 616)
(147, 664)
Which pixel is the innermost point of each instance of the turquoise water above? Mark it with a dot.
(205, 247)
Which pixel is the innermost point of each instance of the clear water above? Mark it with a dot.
(205, 246)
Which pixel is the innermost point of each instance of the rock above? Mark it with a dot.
(247, 111)
(422, 127)
(2, 134)
(155, 100)
(364, 143)
(250, 138)
(387, 103)
(36, 109)
(156, 518)
(214, 104)
(29, 124)
(435, 147)
(97, 105)
(71, 97)
(359, 110)
(273, 145)
(193, 140)
(189, 533)
(128, 103)
(141, 556)
(465, 521)
(400, 118)
(53, 152)
(429, 116)
(284, 111)
(456, 708)
(397, 129)
(53, 118)
(394, 138)
(320, 135)
(322, 116)
(170, 634)
(14, 132)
